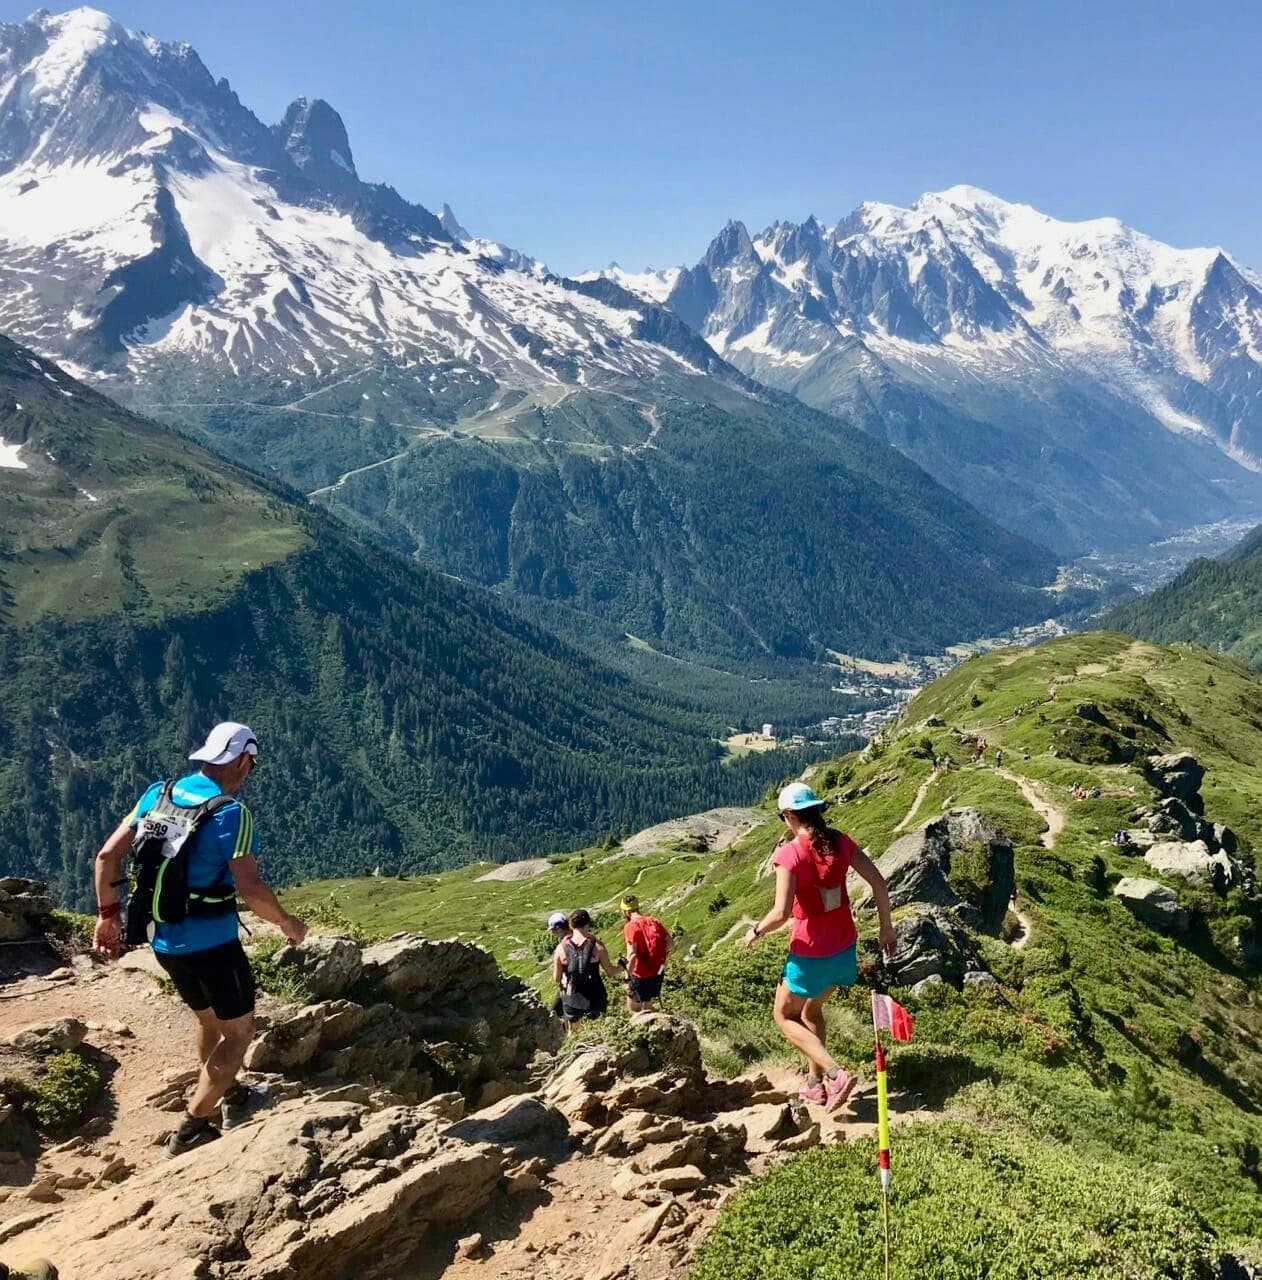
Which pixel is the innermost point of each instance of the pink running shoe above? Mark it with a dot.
(838, 1089)
(813, 1091)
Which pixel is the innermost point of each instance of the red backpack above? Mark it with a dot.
(651, 942)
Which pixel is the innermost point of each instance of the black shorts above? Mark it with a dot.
(218, 978)
(643, 990)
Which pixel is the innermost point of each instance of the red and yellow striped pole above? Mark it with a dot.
(883, 1145)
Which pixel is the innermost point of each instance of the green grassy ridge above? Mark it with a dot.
(1216, 603)
(1110, 1045)
(130, 513)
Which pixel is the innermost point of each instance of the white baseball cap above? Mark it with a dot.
(557, 920)
(225, 742)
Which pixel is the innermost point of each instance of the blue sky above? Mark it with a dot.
(584, 132)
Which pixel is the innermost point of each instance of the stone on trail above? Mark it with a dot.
(49, 1037)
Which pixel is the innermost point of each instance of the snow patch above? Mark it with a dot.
(9, 457)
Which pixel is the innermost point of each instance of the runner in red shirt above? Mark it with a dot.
(648, 945)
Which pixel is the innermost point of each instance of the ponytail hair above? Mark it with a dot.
(820, 836)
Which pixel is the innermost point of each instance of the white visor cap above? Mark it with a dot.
(226, 742)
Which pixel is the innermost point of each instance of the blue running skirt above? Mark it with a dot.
(811, 976)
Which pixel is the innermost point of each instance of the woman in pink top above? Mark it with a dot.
(811, 888)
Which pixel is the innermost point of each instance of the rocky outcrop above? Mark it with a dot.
(1194, 861)
(960, 861)
(25, 908)
(327, 967)
(651, 1101)
(1152, 903)
(427, 1016)
(315, 1188)
(1179, 776)
(931, 944)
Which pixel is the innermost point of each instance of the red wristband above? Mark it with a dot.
(109, 910)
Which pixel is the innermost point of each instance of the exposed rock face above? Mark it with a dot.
(1179, 775)
(1152, 903)
(329, 967)
(24, 909)
(436, 1015)
(322, 1189)
(918, 868)
(653, 1102)
(1193, 861)
(931, 944)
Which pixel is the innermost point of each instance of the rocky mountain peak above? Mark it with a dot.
(315, 139)
(452, 225)
(728, 246)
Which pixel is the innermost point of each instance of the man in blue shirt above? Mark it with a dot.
(202, 954)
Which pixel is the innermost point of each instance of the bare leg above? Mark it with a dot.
(208, 1034)
(219, 1071)
(788, 1014)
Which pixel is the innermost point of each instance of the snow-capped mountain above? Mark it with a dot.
(1002, 348)
(148, 219)
(654, 285)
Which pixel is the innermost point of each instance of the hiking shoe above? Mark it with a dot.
(184, 1139)
(838, 1088)
(242, 1103)
(813, 1091)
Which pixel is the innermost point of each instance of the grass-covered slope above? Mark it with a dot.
(1217, 603)
(106, 510)
(1101, 1109)
(730, 528)
(151, 589)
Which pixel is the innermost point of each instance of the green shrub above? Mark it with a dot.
(970, 871)
(280, 980)
(71, 927)
(966, 1203)
(59, 1096)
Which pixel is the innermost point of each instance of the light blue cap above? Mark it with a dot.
(796, 796)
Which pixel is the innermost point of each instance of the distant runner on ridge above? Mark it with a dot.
(811, 889)
(193, 848)
(648, 944)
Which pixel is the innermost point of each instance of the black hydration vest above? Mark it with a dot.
(586, 990)
(160, 892)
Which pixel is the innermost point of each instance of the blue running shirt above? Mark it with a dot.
(227, 834)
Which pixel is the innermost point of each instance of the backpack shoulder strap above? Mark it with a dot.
(211, 806)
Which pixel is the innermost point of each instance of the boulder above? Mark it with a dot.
(1179, 775)
(918, 868)
(25, 909)
(521, 1126)
(49, 1037)
(329, 967)
(661, 1042)
(1225, 838)
(980, 978)
(1152, 903)
(930, 943)
(1194, 861)
(925, 984)
(310, 1188)
(288, 1043)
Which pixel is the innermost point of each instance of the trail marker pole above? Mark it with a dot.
(883, 1145)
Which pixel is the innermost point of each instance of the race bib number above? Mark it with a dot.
(171, 831)
(831, 897)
